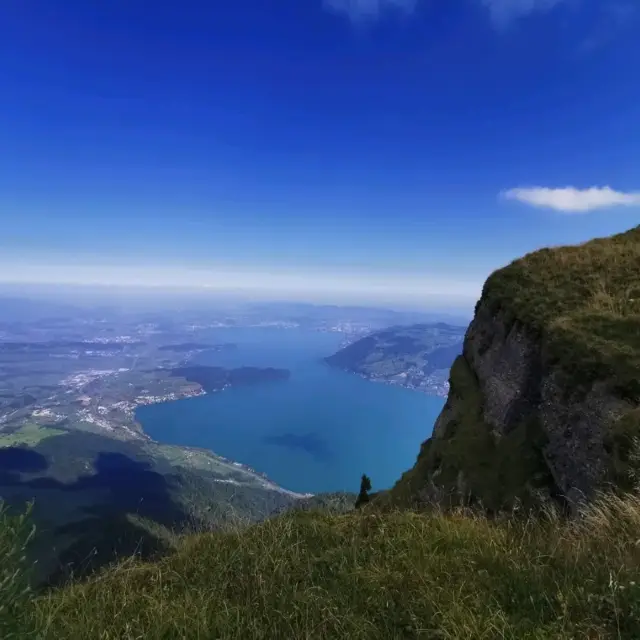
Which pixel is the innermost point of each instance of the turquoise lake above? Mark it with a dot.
(318, 431)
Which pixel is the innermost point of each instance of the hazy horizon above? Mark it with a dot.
(160, 299)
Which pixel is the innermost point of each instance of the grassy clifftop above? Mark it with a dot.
(584, 302)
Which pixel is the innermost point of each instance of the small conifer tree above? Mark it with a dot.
(365, 487)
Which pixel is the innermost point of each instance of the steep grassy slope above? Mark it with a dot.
(364, 576)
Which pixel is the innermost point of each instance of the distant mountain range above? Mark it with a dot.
(417, 356)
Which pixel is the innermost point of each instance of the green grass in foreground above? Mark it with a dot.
(16, 533)
(371, 575)
(29, 435)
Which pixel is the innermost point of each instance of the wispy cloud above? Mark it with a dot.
(572, 200)
(359, 10)
(503, 12)
(615, 18)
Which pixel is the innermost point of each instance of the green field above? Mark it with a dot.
(29, 435)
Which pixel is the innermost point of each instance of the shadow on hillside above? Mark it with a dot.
(102, 527)
(15, 461)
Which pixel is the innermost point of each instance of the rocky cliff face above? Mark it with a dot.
(543, 400)
(517, 386)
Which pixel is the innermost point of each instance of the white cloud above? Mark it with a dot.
(503, 12)
(359, 10)
(572, 200)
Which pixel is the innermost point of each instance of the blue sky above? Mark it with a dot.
(362, 150)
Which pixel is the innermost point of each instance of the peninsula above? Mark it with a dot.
(417, 356)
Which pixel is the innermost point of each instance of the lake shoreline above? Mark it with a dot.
(318, 433)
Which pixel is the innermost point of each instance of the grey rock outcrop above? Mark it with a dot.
(516, 385)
